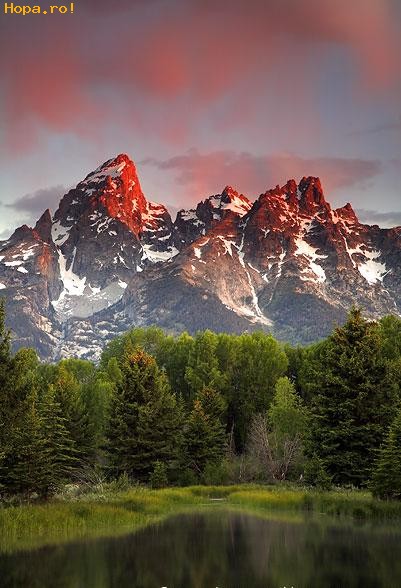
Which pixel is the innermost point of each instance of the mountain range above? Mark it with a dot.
(109, 259)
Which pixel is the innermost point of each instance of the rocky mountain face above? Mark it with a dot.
(108, 259)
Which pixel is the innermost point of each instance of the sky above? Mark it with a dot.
(201, 94)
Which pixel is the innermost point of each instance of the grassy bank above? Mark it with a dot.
(103, 513)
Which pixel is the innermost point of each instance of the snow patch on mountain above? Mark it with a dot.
(231, 200)
(12, 263)
(105, 170)
(73, 285)
(60, 233)
(154, 256)
(372, 270)
(228, 244)
(188, 215)
(198, 249)
(260, 260)
(310, 253)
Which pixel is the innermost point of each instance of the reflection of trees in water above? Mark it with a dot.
(217, 549)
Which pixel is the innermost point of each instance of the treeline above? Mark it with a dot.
(214, 408)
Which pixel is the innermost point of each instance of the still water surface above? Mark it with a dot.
(219, 548)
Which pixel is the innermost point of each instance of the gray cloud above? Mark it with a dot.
(28, 208)
(5, 234)
(36, 202)
(384, 128)
(375, 217)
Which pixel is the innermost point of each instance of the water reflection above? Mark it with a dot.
(223, 549)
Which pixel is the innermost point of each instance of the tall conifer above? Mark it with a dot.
(354, 400)
(146, 419)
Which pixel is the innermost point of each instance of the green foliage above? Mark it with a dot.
(203, 365)
(5, 336)
(8, 406)
(296, 359)
(243, 369)
(276, 438)
(23, 469)
(316, 475)
(287, 415)
(152, 340)
(68, 394)
(288, 420)
(390, 332)
(216, 473)
(158, 477)
(22, 444)
(145, 423)
(59, 456)
(205, 438)
(182, 409)
(257, 364)
(175, 362)
(386, 480)
(353, 400)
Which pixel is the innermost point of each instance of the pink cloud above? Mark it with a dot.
(182, 62)
(203, 174)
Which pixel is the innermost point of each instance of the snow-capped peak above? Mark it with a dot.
(229, 199)
(232, 200)
(110, 193)
(112, 168)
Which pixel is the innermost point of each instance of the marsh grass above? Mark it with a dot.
(105, 512)
(340, 503)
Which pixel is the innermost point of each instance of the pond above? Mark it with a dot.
(219, 549)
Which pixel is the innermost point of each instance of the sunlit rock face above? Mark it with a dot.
(109, 259)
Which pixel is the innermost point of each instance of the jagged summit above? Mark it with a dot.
(347, 213)
(113, 190)
(311, 195)
(116, 167)
(232, 200)
(285, 191)
(110, 259)
(309, 182)
(307, 194)
(191, 224)
(286, 209)
(104, 231)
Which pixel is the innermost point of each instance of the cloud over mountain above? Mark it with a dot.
(208, 172)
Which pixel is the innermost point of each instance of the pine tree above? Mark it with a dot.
(205, 436)
(386, 479)
(7, 404)
(5, 336)
(146, 419)
(213, 404)
(203, 365)
(158, 477)
(68, 395)
(59, 459)
(354, 399)
(23, 468)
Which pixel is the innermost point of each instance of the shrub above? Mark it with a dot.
(158, 478)
(316, 475)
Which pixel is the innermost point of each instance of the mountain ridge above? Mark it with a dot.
(109, 259)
